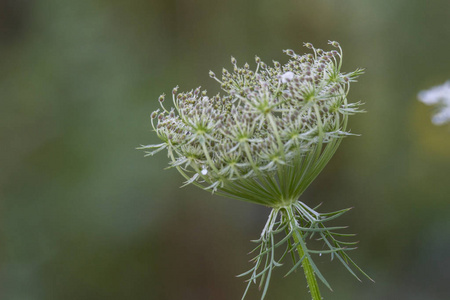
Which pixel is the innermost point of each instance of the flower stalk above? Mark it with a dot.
(307, 268)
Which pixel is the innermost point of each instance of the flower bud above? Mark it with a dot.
(289, 52)
(333, 43)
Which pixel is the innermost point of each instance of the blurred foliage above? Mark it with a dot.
(85, 216)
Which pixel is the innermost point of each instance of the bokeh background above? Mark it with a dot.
(85, 216)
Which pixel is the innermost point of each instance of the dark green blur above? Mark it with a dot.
(83, 215)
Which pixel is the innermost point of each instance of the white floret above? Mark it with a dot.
(286, 77)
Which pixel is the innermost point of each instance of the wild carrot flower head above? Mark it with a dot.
(271, 132)
(439, 98)
(264, 141)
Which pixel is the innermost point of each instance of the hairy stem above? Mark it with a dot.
(307, 268)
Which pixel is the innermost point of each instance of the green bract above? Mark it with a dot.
(264, 141)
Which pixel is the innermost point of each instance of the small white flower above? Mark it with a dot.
(204, 171)
(440, 93)
(286, 77)
(438, 96)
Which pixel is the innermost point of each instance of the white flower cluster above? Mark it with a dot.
(439, 97)
(267, 120)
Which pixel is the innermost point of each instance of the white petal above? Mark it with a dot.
(288, 76)
(440, 93)
(442, 117)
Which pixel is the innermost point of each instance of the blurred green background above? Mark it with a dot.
(85, 216)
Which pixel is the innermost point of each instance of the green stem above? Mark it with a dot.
(307, 268)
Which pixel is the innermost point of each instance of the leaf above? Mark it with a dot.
(295, 266)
